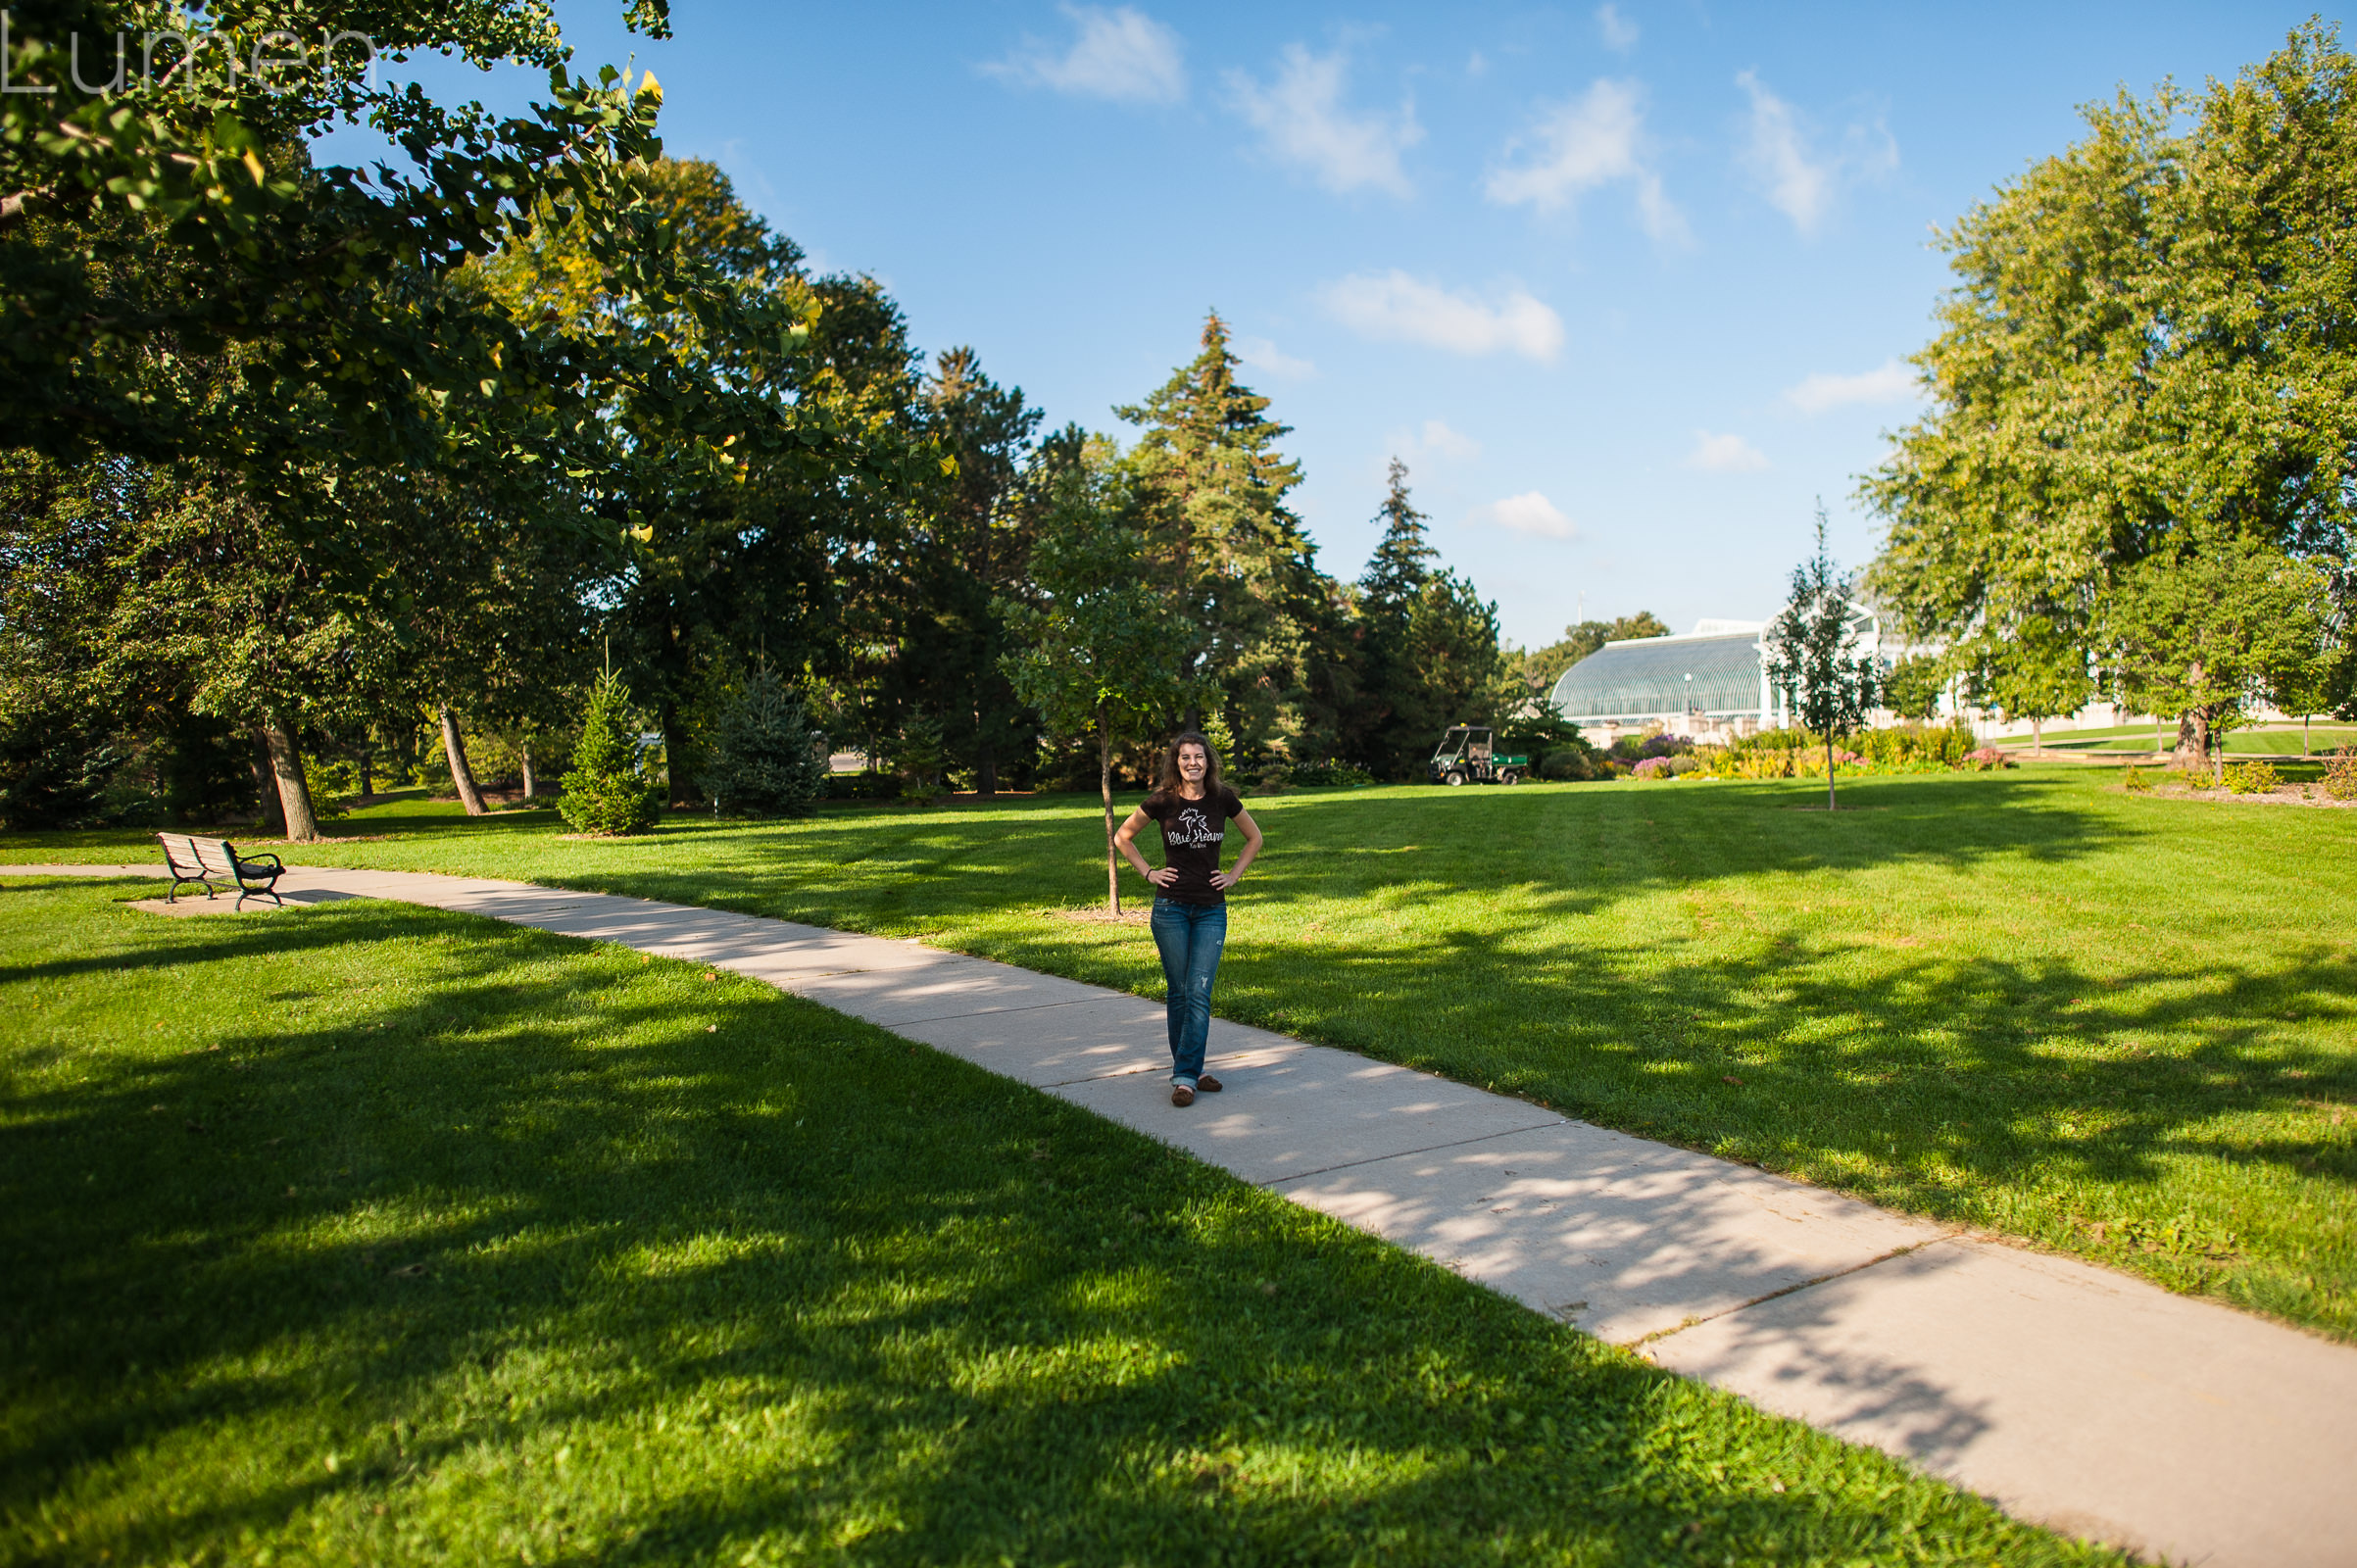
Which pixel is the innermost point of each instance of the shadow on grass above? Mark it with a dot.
(544, 1263)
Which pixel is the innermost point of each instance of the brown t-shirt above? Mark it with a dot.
(1192, 831)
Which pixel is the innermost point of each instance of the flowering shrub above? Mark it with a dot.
(2340, 774)
(2251, 778)
(1797, 754)
(1654, 767)
(1985, 758)
(2135, 782)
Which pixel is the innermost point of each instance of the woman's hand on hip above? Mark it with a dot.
(1224, 880)
(1162, 876)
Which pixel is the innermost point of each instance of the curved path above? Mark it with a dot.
(2074, 1397)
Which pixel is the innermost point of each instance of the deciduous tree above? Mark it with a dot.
(1813, 656)
(1105, 652)
(2151, 354)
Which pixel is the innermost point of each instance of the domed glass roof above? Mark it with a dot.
(1647, 678)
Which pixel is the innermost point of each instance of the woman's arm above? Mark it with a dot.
(1224, 880)
(1125, 840)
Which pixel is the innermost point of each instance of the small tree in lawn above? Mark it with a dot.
(608, 793)
(766, 760)
(1812, 657)
(1102, 652)
(2205, 632)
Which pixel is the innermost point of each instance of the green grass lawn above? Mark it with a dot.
(2024, 1000)
(373, 1234)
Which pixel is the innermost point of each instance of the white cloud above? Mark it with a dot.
(1123, 55)
(1799, 182)
(1262, 355)
(1619, 33)
(1434, 441)
(1303, 121)
(1725, 454)
(1891, 382)
(1592, 140)
(1393, 307)
(1437, 437)
(1530, 513)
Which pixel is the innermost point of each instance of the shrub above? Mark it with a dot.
(1985, 758)
(923, 758)
(1567, 764)
(2251, 778)
(766, 760)
(2135, 782)
(2340, 774)
(1654, 767)
(1343, 773)
(2193, 779)
(1638, 748)
(608, 793)
(863, 787)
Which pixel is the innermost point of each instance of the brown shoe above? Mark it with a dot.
(1205, 1084)
(1181, 1094)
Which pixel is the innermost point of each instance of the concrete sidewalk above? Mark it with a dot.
(2074, 1397)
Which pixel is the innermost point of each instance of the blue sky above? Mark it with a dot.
(1627, 286)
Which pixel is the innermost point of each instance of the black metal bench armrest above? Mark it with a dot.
(254, 861)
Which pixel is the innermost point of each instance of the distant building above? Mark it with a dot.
(1707, 683)
(1710, 684)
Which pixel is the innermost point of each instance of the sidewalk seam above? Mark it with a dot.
(1639, 1343)
(1409, 1154)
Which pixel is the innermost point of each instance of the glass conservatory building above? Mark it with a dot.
(1709, 681)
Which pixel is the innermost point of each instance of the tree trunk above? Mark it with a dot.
(1830, 803)
(2038, 738)
(453, 747)
(1104, 786)
(294, 791)
(2193, 738)
(367, 772)
(272, 823)
(680, 788)
(2304, 753)
(986, 764)
(531, 786)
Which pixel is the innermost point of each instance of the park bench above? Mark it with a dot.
(200, 860)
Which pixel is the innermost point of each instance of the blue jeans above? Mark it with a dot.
(1190, 937)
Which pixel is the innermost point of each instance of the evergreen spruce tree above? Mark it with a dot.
(608, 793)
(1403, 562)
(766, 760)
(1211, 488)
(1428, 644)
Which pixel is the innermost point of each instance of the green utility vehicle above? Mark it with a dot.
(1468, 756)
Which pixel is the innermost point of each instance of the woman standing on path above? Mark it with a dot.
(1190, 904)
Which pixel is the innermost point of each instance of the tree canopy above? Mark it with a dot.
(2145, 374)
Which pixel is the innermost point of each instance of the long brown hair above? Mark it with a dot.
(1172, 783)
